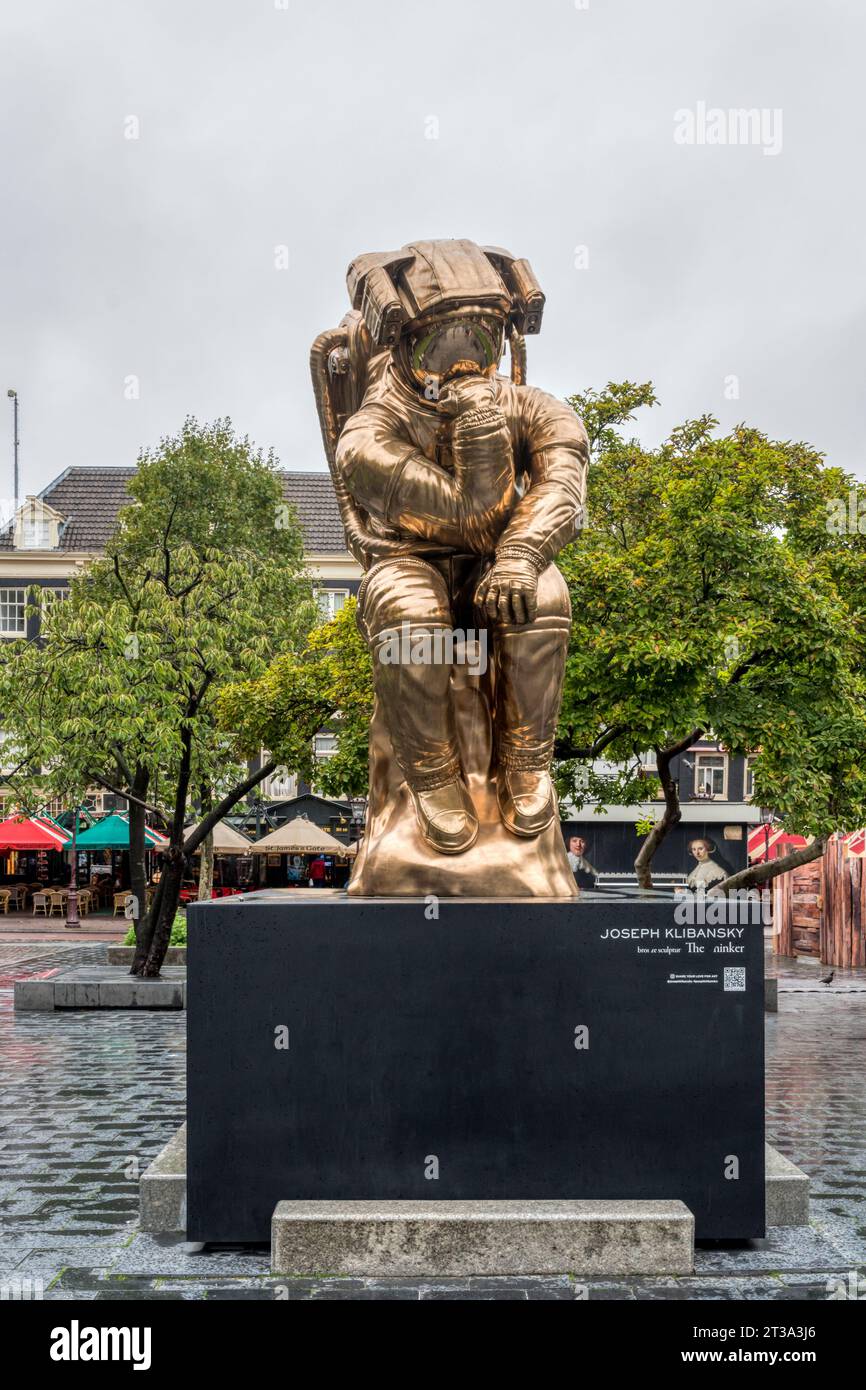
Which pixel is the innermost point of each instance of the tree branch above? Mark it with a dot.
(126, 794)
(672, 813)
(773, 868)
(674, 749)
(205, 826)
(566, 749)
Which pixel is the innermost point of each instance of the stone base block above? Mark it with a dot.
(162, 1190)
(787, 1191)
(444, 1238)
(102, 987)
(771, 995)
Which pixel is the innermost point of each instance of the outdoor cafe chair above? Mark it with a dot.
(5, 895)
(41, 903)
(57, 899)
(120, 903)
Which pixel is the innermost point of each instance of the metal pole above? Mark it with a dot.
(72, 918)
(14, 397)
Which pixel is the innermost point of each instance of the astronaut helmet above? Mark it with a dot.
(444, 308)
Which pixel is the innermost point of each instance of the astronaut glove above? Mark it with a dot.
(464, 395)
(509, 589)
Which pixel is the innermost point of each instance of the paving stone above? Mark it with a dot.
(465, 1295)
(786, 1247)
(160, 1255)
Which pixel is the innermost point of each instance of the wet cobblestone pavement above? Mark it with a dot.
(90, 1098)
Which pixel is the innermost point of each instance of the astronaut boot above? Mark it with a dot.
(416, 699)
(527, 800)
(446, 815)
(530, 672)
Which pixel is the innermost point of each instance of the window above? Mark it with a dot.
(330, 601)
(326, 745)
(649, 770)
(36, 533)
(8, 760)
(711, 775)
(749, 780)
(12, 620)
(280, 786)
(48, 596)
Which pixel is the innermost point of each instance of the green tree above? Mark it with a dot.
(811, 767)
(696, 605)
(327, 683)
(202, 585)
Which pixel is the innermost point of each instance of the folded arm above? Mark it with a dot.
(549, 514)
(394, 482)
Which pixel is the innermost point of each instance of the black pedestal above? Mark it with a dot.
(361, 1049)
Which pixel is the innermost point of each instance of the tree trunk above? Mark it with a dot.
(756, 874)
(168, 897)
(205, 877)
(137, 871)
(672, 814)
(164, 913)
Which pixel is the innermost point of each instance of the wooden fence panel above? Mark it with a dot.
(820, 908)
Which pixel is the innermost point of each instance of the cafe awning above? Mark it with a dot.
(226, 840)
(300, 836)
(113, 833)
(771, 842)
(32, 833)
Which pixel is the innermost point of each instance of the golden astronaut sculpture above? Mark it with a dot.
(457, 488)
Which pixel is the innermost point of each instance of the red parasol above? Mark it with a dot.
(32, 832)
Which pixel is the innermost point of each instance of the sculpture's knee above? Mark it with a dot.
(553, 596)
(402, 590)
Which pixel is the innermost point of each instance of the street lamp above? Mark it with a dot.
(256, 804)
(13, 396)
(767, 817)
(359, 813)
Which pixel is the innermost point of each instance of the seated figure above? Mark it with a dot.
(458, 487)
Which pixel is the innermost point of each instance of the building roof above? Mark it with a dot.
(312, 496)
(89, 499)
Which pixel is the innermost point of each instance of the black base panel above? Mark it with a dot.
(435, 1056)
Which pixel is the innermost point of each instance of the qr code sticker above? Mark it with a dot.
(735, 977)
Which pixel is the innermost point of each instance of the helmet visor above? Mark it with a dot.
(467, 342)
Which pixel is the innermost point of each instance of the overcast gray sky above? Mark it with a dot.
(309, 126)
